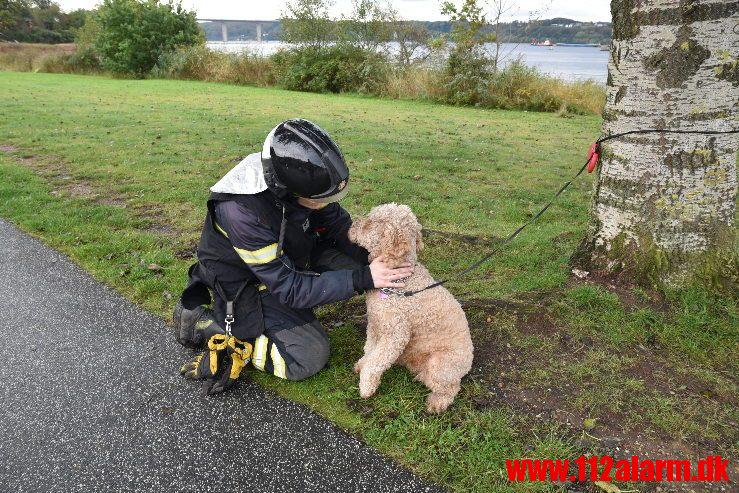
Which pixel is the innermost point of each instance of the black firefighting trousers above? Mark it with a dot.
(294, 344)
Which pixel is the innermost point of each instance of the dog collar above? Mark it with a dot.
(384, 293)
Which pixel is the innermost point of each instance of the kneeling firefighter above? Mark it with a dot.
(274, 246)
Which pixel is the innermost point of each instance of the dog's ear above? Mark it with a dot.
(395, 243)
(358, 230)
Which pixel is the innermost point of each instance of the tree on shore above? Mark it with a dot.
(369, 25)
(665, 204)
(308, 23)
(468, 68)
(413, 40)
(131, 35)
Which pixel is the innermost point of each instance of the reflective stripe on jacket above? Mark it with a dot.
(239, 244)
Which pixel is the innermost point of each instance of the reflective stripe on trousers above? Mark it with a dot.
(267, 357)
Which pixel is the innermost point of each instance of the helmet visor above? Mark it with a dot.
(334, 197)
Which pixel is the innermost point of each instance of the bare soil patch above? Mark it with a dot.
(80, 189)
(437, 234)
(114, 201)
(187, 253)
(156, 219)
(626, 290)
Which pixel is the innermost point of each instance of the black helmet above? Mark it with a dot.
(300, 159)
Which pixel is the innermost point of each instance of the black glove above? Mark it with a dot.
(194, 327)
(220, 365)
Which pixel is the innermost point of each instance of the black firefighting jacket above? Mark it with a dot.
(239, 244)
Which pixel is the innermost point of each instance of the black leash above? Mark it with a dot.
(590, 164)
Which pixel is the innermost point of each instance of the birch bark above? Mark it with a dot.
(674, 65)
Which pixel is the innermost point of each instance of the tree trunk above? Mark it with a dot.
(665, 203)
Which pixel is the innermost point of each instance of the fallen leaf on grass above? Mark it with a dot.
(612, 488)
(609, 487)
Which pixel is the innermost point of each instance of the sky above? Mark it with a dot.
(581, 10)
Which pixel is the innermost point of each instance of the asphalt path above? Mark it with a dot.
(92, 401)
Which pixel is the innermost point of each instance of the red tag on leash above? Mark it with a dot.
(593, 156)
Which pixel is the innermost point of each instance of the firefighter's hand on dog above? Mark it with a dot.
(384, 276)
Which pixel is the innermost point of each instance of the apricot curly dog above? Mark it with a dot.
(427, 333)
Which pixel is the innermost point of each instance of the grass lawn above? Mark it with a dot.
(115, 174)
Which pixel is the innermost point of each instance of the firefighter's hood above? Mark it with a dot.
(246, 178)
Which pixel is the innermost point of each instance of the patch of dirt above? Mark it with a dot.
(49, 169)
(626, 291)
(156, 218)
(536, 322)
(620, 282)
(116, 201)
(187, 253)
(654, 375)
(493, 306)
(361, 406)
(80, 189)
(353, 310)
(162, 229)
(457, 236)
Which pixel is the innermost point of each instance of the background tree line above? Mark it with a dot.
(39, 21)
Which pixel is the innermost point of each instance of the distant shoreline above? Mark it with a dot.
(559, 30)
(567, 62)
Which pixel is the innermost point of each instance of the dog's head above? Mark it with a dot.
(390, 230)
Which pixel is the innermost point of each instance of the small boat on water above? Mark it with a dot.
(546, 42)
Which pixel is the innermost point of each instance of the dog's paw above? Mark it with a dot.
(438, 403)
(368, 385)
(366, 393)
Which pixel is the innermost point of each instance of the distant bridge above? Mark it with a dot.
(224, 26)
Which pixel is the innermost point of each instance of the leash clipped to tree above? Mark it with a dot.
(590, 164)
